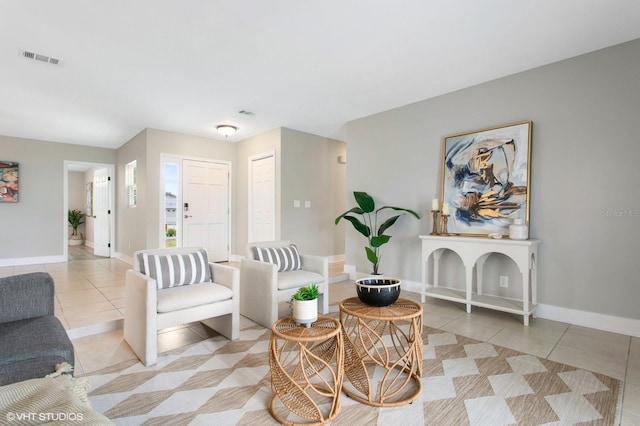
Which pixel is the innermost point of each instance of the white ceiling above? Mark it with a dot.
(189, 65)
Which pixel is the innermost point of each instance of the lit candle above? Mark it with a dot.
(435, 204)
(445, 208)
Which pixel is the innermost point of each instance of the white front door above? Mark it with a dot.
(101, 212)
(205, 218)
(262, 198)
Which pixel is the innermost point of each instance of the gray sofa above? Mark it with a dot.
(32, 339)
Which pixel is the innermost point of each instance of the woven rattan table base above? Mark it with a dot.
(306, 371)
(383, 352)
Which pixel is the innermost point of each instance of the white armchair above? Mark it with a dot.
(169, 287)
(263, 287)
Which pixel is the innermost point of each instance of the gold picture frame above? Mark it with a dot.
(486, 179)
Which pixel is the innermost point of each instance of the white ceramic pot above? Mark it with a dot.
(518, 231)
(305, 311)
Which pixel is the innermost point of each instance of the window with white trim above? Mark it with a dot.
(130, 183)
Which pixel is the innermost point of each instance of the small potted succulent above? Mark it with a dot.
(304, 305)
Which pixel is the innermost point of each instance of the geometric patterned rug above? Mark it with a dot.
(464, 382)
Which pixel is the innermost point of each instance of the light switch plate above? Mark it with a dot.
(296, 203)
(307, 204)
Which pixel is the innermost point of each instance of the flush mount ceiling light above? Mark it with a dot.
(226, 130)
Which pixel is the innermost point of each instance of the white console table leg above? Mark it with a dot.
(525, 295)
(534, 286)
(436, 264)
(469, 286)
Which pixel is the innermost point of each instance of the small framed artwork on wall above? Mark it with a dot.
(9, 182)
(486, 179)
(88, 204)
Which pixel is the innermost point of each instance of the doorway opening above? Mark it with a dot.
(90, 188)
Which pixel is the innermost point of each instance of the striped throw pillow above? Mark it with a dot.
(286, 258)
(177, 269)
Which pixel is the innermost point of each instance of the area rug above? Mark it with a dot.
(55, 399)
(464, 381)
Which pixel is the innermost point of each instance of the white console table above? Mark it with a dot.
(474, 251)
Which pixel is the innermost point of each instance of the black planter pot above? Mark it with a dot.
(378, 291)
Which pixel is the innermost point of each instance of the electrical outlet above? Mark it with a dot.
(504, 281)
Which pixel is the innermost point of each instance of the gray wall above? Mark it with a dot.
(311, 172)
(37, 220)
(34, 227)
(306, 169)
(585, 149)
(131, 226)
(139, 227)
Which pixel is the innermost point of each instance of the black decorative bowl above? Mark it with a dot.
(378, 291)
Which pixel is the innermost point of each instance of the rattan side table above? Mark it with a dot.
(383, 352)
(307, 366)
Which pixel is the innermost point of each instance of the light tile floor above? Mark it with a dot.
(89, 298)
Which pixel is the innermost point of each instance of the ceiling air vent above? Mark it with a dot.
(40, 57)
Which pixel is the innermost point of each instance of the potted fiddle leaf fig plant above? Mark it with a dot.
(364, 219)
(75, 219)
(304, 305)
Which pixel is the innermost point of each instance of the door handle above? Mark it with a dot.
(186, 216)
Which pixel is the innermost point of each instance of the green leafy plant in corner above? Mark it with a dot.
(364, 219)
(75, 218)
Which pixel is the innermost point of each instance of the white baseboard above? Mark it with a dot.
(20, 261)
(614, 324)
(125, 258)
(611, 323)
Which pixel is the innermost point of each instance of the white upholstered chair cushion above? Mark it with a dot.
(296, 279)
(187, 296)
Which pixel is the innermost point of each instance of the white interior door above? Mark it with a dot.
(101, 212)
(205, 221)
(262, 198)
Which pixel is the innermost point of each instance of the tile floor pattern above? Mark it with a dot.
(89, 291)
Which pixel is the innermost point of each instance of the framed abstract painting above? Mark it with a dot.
(8, 182)
(88, 199)
(486, 179)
